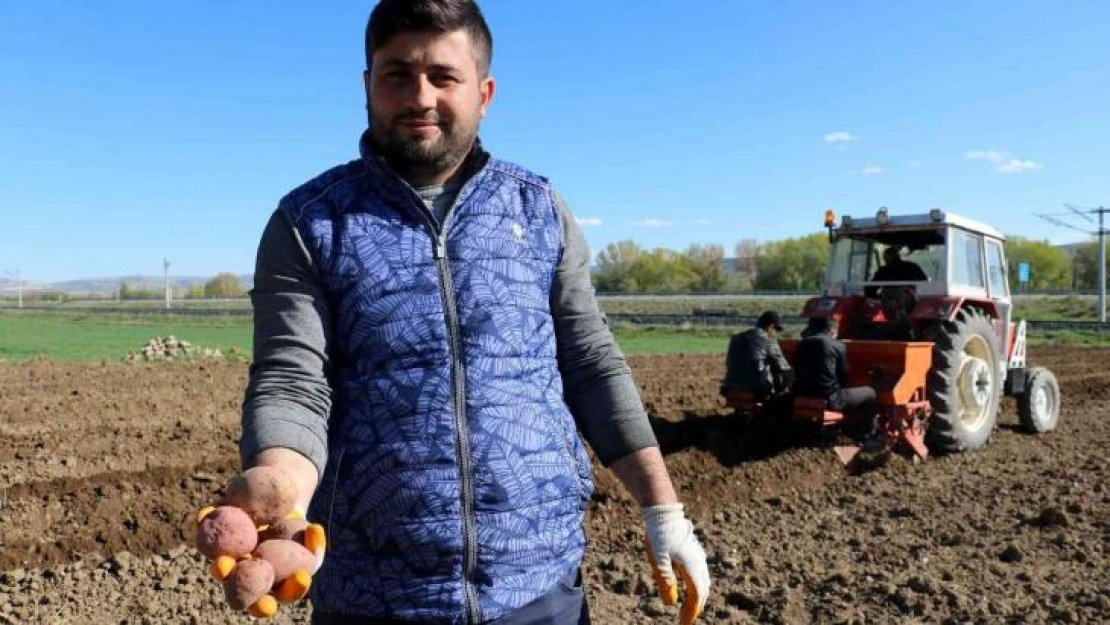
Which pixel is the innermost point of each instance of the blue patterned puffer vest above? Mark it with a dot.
(456, 482)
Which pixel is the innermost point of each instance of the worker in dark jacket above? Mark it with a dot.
(896, 269)
(755, 361)
(821, 363)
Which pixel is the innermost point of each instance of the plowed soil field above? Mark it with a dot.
(102, 466)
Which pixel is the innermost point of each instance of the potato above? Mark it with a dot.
(286, 557)
(287, 528)
(250, 581)
(266, 493)
(226, 531)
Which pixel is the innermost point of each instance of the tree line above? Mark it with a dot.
(224, 285)
(794, 264)
(798, 264)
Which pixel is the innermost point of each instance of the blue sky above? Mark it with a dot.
(134, 131)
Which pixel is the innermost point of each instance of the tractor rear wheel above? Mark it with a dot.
(1039, 405)
(964, 385)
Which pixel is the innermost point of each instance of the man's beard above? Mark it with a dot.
(422, 157)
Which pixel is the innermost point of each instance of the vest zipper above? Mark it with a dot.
(458, 393)
(462, 439)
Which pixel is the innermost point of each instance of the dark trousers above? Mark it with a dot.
(860, 402)
(565, 604)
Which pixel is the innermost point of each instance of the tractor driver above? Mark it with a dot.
(895, 269)
(755, 361)
(821, 363)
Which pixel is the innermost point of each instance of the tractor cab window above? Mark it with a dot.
(967, 258)
(930, 259)
(852, 261)
(996, 268)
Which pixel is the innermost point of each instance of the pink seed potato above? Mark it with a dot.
(249, 582)
(226, 531)
(287, 557)
(266, 493)
(291, 528)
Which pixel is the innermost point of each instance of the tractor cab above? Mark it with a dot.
(891, 277)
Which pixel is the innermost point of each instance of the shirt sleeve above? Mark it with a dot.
(597, 381)
(775, 358)
(288, 396)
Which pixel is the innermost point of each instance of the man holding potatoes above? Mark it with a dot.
(429, 356)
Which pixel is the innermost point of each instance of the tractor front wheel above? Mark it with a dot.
(964, 384)
(1039, 405)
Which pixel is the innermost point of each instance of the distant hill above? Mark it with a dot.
(100, 286)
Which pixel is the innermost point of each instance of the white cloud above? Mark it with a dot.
(654, 223)
(872, 170)
(1003, 162)
(840, 136)
(587, 222)
(1016, 166)
(993, 156)
(702, 222)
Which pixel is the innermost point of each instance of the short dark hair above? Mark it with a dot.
(817, 325)
(392, 17)
(769, 319)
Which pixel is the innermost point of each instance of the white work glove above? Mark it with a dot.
(673, 548)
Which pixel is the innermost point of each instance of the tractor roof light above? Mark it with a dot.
(830, 218)
(882, 217)
(936, 215)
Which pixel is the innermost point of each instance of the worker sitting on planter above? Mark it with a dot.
(821, 362)
(756, 372)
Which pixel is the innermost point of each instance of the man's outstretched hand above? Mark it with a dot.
(674, 552)
(261, 548)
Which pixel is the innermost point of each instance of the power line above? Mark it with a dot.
(1080, 212)
(1089, 209)
(1063, 224)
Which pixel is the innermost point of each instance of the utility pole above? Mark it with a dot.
(166, 279)
(1101, 266)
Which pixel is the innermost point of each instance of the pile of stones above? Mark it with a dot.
(171, 348)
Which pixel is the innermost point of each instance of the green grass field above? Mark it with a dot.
(109, 337)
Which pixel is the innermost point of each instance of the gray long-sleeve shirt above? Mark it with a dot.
(288, 396)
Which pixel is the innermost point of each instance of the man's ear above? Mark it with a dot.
(486, 90)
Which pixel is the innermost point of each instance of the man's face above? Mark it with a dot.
(891, 256)
(426, 101)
